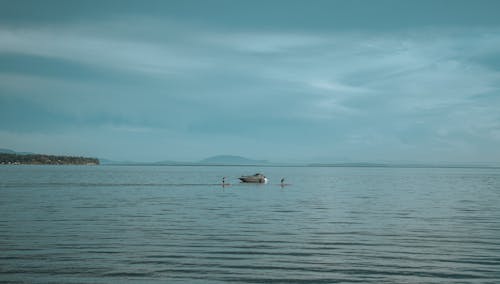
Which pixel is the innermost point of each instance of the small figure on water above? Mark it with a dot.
(282, 182)
(224, 182)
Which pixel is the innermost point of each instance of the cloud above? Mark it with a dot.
(97, 50)
(262, 42)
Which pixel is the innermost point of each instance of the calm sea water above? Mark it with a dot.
(104, 224)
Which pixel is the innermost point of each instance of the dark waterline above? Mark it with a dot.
(72, 224)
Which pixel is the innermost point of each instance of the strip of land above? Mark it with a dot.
(40, 159)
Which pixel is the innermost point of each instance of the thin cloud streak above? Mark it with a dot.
(124, 55)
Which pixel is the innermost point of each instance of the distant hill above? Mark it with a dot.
(231, 160)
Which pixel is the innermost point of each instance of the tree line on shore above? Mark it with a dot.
(40, 159)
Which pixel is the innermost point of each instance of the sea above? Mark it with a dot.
(179, 224)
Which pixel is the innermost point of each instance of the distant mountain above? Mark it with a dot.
(231, 160)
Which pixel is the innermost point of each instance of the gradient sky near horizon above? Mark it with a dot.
(285, 81)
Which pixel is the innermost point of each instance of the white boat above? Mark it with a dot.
(256, 178)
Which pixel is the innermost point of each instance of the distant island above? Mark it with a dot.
(9, 157)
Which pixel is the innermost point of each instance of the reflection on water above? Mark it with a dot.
(155, 224)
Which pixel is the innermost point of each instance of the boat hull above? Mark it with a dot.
(253, 179)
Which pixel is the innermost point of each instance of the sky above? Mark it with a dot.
(284, 81)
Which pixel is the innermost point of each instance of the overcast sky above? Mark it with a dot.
(286, 81)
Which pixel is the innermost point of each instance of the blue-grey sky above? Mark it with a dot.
(286, 81)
